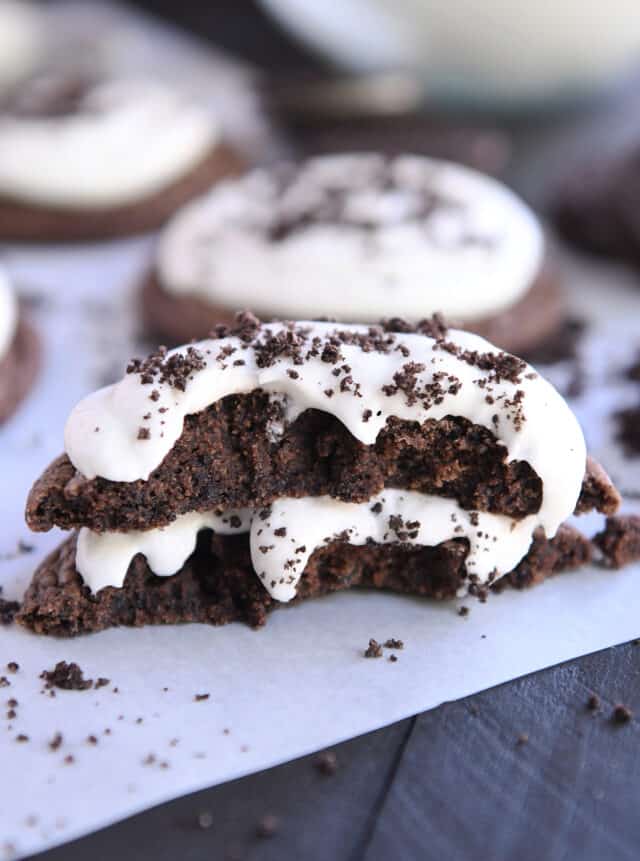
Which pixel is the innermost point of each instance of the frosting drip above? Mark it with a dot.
(283, 537)
(8, 314)
(123, 140)
(356, 238)
(362, 376)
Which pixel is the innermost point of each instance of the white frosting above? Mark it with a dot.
(8, 314)
(131, 138)
(529, 417)
(496, 543)
(475, 253)
(20, 40)
(102, 433)
(103, 558)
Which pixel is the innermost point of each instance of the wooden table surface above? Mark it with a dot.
(522, 771)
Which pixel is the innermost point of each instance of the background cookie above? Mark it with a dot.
(356, 238)
(19, 352)
(82, 160)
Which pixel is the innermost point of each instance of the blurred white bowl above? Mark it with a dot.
(504, 50)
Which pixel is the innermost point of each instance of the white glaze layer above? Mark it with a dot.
(102, 435)
(407, 238)
(496, 543)
(130, 139)
(103, 558)
(8, 314)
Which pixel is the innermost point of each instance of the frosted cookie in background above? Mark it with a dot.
(357, 238)
(21, 41)
(19, 351)
(595, 204)
(89, 159)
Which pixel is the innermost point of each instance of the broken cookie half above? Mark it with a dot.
(275, 462)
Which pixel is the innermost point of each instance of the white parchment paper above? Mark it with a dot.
(301, 683)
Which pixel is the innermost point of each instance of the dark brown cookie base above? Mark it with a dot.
(20, 221)
(535, 318)
(217, 584)
(226, 459)
(18, 369)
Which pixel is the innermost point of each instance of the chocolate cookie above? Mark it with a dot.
(217, 584)
(18, 369)
(356, 238)
(596, 205)
(127, 154)
(322, 456)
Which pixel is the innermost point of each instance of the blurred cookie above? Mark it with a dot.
(596, 206)
(88, 160)
(19, 352)
(357, 238)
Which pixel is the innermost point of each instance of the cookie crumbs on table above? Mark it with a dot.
(56, 741)
(67, 676)
(619, 542)
(268, 826)
(326, 763)
(8, 611)
(373, 650)
(621, 714)
(593, 703)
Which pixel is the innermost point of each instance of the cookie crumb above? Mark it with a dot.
(392, 643)
(56, 741)
(13, 667)
(268, 826)
(522, 739)
(68, 677)
(326, 763)
(373, 650)
(621, 714)
(198, 698)
(593, 703)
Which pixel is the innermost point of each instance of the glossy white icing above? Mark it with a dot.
(363, 239)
